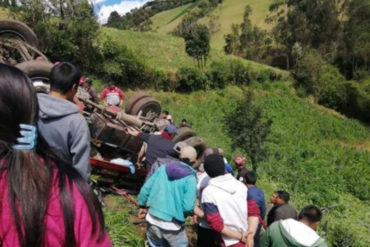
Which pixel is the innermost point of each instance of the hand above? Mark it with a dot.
(142, 213)
(132, 131)
(139, 165)
(250, 239)
(194, 219)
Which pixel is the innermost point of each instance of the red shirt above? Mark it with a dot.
(114, 96)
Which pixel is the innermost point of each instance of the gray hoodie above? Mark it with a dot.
(66, 131)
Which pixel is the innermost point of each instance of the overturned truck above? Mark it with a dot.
(19, 46)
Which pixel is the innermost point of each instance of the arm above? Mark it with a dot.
(216, 222)
(266, 239)
(190, 193)
(121, 96)
(145, 190)
(253, 219)
(103, 96)
(80, 147)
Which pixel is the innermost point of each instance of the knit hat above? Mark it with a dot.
(188, 152)
(214, 165)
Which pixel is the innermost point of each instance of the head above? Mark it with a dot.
(239, 162)
(311, 216)
(280, 197)
(18, 103)
(87, 83)
(184, 122)
(165, 114)
(64, 79)
(171, 130)
(250, 178)
(111, 85)
(214, 165)
(188, 155)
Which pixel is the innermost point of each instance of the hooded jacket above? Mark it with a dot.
(291, 233)
(66, 132)
(170, 192)
(224, 202)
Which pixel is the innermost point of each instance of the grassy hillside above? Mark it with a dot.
(166, 52)
(227, 13)
(166, 21)
(306, 155)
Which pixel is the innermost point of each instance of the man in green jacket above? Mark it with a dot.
(293, 233)
(167, 198)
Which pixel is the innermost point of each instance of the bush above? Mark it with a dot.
(219, 75)
(332, 90)
(358, 103)
(191, 79)
(118, 63)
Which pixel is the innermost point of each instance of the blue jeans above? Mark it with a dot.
(158, 237)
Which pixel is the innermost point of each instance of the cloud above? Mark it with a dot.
(122, 8)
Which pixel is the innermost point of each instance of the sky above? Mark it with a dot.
(103, 8)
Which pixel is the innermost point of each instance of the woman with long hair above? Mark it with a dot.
(43, 201)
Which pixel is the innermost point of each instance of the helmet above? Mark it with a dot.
(240, 160)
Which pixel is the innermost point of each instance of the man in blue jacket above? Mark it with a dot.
(169, 194)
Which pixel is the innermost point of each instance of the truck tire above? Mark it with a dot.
(147, 104)
(200, 146)
(39, 73)
(183, 134)
(134, 98)
(19, 30)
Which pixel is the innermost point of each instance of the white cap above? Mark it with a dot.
(188, 152)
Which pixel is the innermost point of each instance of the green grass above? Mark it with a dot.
(166, 21)
(167, 52)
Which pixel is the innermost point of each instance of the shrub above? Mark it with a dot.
(219, 75)
(118, 63)
(332, 90)
(191, 79)
(358, 104)
(322, 80)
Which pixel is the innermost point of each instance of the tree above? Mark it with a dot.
(197, 44)
(312, 23)
(114, 19)
(246, 40)
(248, 128)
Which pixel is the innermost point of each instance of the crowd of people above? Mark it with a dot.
(46, 199)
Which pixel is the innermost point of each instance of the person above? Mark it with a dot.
(256, 194)
(240, 167)
(293, 233)
(60, 123)
(170, 195)
(87, 85)
(184, 123)
(158, 146)
(166, 115)
(112, 95)
(282, 209)
(44, 202)
(225, 206)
